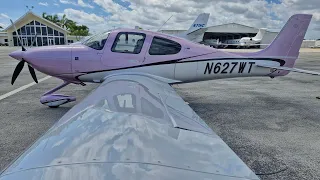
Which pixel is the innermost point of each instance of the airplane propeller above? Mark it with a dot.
(19, 68)
(20, 65)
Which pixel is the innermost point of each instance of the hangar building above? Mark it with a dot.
(231, 31)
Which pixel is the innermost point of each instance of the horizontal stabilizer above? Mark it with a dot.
(289, 69)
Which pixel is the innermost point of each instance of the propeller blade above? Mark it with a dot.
(15, 28)
(33, 74)
(17, 71)
(34, 40)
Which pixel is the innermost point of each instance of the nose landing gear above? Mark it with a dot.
(55, 100)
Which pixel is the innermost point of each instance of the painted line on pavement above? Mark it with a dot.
(22, 88)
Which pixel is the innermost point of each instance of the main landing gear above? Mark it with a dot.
(55, 100)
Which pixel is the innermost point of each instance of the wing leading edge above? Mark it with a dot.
(131, 126)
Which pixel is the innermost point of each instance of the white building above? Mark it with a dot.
(236, 31)
(29, 25)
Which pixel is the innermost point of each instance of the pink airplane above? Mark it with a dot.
(131, 51)
(134, 125)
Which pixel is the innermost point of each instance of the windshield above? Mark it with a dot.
(97, 41)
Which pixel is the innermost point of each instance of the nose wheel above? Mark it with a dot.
(55, 100)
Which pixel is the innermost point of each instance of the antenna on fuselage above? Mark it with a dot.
(164, 23)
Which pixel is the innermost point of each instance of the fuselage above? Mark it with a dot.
(130, 50)
(245, 41)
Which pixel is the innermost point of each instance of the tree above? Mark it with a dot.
(79, 31)
(64, 22)
(1, 27)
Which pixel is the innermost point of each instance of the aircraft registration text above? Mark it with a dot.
(228, 67)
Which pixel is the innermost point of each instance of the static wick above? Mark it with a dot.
(318, 97)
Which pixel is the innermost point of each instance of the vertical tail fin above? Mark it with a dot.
(260, 34)
(200, 22)
(287, 44)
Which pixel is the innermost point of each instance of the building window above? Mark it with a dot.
(28, 30)
(5, 40)
(38, 30)
(44, 30)
(27, 33)
(29, 41)
(39, 41)
(162, 46)
(45, 41)
(128, 43)
(50, 31)
(23, 30)
(56, 41)
(70, 41)
(32, 31)
(15, 42)
(62, 41)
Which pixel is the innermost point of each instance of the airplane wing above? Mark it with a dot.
(130, 127)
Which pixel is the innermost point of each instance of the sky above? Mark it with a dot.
(101, 15)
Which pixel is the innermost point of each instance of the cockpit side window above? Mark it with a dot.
(97, 41)
(162, 46)
(128, 42)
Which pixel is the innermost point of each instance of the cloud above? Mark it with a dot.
(81, 17)
(151, 14)
(77, 3)
(82, 4)
(94, 22)
(235, 8)
(3, 25)
(67, 2)
(43, 3)
(56, 4)
(3, 16)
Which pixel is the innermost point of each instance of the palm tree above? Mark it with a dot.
(44, 14)
(55, 19)
(63, 21)
(68, 24)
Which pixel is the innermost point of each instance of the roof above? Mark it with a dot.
(237, 24)
(31, 13)
(216, 28)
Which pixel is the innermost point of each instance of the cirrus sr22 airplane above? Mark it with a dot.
(134, 125)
